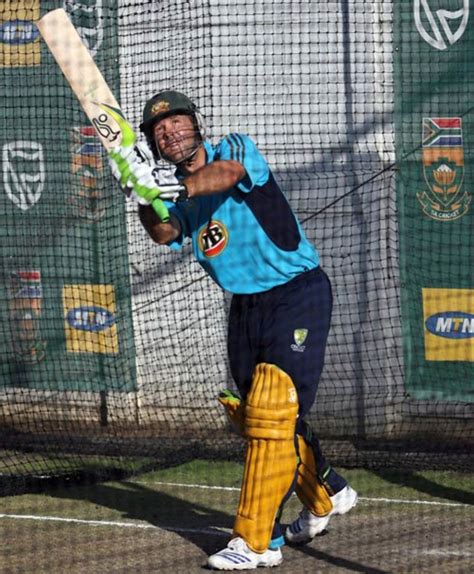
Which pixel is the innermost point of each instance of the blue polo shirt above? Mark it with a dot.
(247, 237)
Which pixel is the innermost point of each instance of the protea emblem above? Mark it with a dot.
(445, 177)
(299, 336)
(443, 167)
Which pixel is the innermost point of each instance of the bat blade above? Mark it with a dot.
(90, 87)
(83, 75)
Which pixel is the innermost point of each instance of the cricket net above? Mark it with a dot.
(114, 347)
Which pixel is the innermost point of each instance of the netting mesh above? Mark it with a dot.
(114, 346)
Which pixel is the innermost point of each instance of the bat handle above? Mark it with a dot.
(161, 210)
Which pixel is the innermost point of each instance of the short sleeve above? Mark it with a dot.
(241, 148)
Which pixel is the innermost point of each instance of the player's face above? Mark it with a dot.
(176, 137)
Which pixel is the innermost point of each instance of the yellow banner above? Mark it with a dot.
(19, 37)
(448, 316)
(90, 319)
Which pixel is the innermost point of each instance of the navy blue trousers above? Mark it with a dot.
(286, 326)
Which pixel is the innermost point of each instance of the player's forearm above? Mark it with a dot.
(160, 232)
(215, 177)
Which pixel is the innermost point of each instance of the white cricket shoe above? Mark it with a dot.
(307, 525)
(238, 556)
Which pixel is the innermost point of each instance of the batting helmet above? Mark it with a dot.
(169, 103)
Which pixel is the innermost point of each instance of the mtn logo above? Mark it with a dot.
(451, 324)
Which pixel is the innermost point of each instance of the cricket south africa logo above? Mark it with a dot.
(213, 238)
(441, 28)
(443, 167)
(299, 336)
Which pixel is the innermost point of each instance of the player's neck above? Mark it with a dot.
(195, 162)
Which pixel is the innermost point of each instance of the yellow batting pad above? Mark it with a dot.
(270, 418)
(309, 490)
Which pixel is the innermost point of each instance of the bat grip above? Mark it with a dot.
(161, 210)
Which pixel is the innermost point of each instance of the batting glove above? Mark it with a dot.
(165, 178)
(136, 177)
(131, 171)
(235, 410)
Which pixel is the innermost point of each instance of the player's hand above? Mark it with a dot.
(137, 177)
(171, 188)
(143, 153)
(165, 178)
(134, 176)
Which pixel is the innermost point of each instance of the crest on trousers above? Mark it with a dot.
(299, 336)
(443, 167)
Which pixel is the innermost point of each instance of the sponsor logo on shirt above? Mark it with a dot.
(213, 238)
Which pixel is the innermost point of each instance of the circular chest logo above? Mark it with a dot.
(212, 239)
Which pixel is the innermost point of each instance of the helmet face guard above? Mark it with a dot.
(170, 103)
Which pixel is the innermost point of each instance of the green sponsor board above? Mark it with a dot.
(434, 123)
(65, 296)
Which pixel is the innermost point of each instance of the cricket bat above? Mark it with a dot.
(88, 84)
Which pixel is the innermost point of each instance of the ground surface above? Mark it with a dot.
(168, 522)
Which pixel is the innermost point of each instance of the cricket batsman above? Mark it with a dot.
(226, 201)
